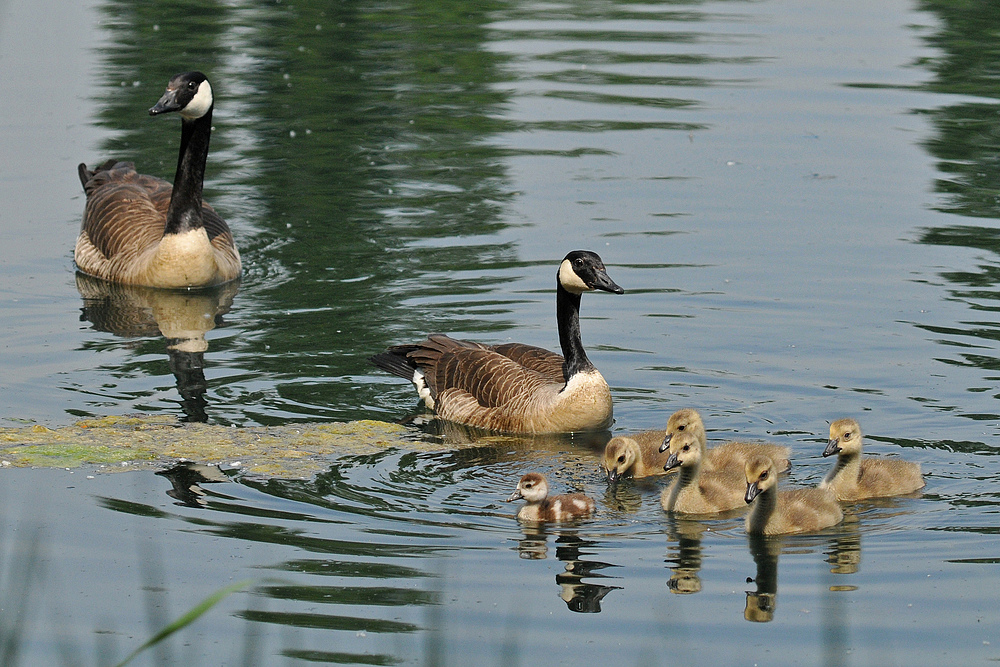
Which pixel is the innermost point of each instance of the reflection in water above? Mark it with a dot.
(843, 554)
(186, 479)
(579, 596)
(182, 317)
(462, 435)
(686, 564)
(761, 603)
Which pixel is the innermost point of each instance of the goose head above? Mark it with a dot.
(532, 488)
(686, 420)
(583, 271)
(845, 438)
(620, 455)
(189, 93)
(761, 476)
(685, 450)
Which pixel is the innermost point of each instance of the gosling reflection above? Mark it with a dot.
(686, 555)
(842, 552)
(182, 317)
(761, 603)
(186, 479)
(580, 596)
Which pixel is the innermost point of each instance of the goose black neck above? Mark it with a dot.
(568, 318)
(184, 213)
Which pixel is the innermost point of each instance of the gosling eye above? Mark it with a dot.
(847, 436)
(681, 427)
(687, 447)
(763, 475)
(621, 459)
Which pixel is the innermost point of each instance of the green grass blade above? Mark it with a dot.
(188, 618)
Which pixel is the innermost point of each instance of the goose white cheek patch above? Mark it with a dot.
(569, 280)
(200, 103)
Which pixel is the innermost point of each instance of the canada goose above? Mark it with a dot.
(139, 229)
(795, 511)
(727, 455)
(695, 491)
(854, 477)
(635, 455)
(535, 490)
(514, 387)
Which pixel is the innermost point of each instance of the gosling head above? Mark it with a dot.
(583, 271)
(685, 451)
(532, 488)
(845, 438)
(761, 476)
(189, 93)
(620, 456)
(683, 421)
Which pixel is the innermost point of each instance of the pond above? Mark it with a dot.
(799, 198)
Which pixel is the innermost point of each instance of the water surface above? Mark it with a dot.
(799, 198)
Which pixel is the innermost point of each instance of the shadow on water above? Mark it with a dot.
(183, 318)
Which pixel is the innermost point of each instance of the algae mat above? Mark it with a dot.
(123, 443)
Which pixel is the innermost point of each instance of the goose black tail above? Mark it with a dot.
(395, 361)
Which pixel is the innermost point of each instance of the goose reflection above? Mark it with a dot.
(186, 479)
(580, 596)
(182, 317)
(686, 555)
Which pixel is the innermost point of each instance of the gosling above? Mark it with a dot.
(635, 455)
(729, 455)
(854, 477)
(778, 513)
(695, 491)
(565, 507)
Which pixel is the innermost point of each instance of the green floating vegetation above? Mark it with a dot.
(124, 443)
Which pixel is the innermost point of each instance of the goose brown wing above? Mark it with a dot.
(125, 210)
(488, 376)
(538, 359)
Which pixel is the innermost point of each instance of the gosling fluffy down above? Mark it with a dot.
(728, 455)
(695, 491)
(636, 455)
(854, 477)
(540, 507)
(795, 511)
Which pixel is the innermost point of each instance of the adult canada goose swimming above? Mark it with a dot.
(139, 229)
(514, 387)
(727, 455)
(695, 491)
(854, 477)
(795, 511)
(540, 507)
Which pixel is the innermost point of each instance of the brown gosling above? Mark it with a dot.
(854, 477)
(695, 491)
(795, 511)
(635, 455)
(728, 455)
(540, 507)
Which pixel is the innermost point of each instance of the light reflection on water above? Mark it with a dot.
(758, 176)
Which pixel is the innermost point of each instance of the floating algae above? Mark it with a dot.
(123, 443)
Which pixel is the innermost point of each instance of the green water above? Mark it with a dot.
(800, 199)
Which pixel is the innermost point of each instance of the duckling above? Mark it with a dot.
(695, 491)
(728, 455)
(635, 455)
(795, 511)
(854, 477)
(565, 507)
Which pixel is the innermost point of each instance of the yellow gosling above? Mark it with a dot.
(854, 477)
